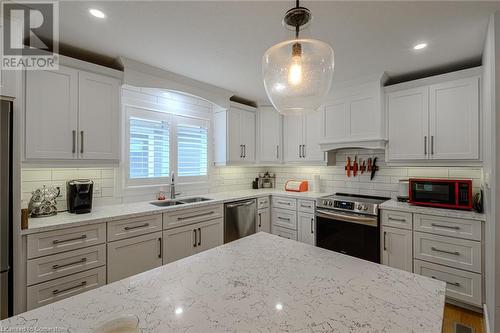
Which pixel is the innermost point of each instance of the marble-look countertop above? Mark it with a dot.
(107, 213)
(260, 283)
(406, 207)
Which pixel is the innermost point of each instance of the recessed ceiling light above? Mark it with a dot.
(420, 46)
(97, 13)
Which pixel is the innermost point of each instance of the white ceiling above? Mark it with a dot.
(222, 42)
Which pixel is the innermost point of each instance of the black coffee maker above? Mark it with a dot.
(79, 195)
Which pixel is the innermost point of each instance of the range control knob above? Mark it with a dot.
(325, 202)
(365, 207)
(330, 203)
(359, 207)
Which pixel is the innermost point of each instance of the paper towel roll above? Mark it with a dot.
(316, 183)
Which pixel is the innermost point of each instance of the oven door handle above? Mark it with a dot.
(368, 220)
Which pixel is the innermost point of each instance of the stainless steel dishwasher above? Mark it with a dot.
(239, 219)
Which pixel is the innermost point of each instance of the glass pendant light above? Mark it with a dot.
(297, 73)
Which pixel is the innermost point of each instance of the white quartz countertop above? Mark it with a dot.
(112, 212)
(261, 283)
(406, 207)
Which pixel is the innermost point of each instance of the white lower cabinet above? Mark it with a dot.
(396, 249)
(284, 232)
(58, 289)
(264, 220)
(184, 241)
(306, 228)
(134, 255)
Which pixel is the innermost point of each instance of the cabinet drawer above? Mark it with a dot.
(51, 242)
(448, 226)
(146, 251)
(460, 285)
(284, 232)
(136, 226)
(193, 215)
(62, 264)
(284, 203)
(454, 252)
(402, 220)
(306, 206)
(284, 218)
(56, 290)
(262, 202)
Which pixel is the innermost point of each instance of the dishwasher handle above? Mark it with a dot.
(240, 204)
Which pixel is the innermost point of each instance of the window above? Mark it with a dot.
(192, 148)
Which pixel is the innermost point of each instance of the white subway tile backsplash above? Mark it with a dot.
(428, 172)
(36, 175)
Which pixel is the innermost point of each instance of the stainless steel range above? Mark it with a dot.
(350, 224)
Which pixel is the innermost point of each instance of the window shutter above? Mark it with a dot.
(149, 148)
(192, 152)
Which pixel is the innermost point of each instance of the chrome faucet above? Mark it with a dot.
(173, 194)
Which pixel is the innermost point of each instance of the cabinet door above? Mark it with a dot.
(337, 120)
(98, 117)
(179, 243)
(269, 135)
(234, 145)
(247, 135)
(51, 114)
(145, 252)
(397, 248)
(307, 228)
(264, 220)
(314, 124)
(210, 234)
(454, 119)
(408, 113)
(364, 117)
(292, 138)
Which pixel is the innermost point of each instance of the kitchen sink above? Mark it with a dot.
(166, 203)
(194, 199)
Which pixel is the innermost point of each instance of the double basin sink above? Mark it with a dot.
(167, 203)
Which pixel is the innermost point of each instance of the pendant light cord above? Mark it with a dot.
(297, 27)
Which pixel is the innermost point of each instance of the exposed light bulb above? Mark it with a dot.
(295, 71)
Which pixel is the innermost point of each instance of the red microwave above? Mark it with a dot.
(444, 193)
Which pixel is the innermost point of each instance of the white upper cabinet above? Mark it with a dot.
(98, 114)
(270, 135)
(408, 115)
(354, 116)
(71, 114)
(454, 119)
(301, 137)
(235, 135)
(434, 118)
(51, 114)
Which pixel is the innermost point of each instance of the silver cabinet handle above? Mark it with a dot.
(456, 284)
(300, 151)
(312, 222)
(284, 218)
(199, 237)
(245, 151)
(180, 218)
(454, 227)
(194, 231)
(385, 247)
(58, 291)
(70, 264)
(73, 150)
(455, 253)
(305, 206)
(303, 151)
(161, 247)
(425, 145)
(283, 203)
(395, 219)
(57, 241)
(136, 227)
(81, 143)
(432, 144)
(260, 220)
(241, 151)
(277, 152)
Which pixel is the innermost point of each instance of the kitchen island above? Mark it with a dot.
(260, 283)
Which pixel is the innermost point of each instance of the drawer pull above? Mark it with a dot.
(57, 291)
(161, 247)
(195, 240)
(456, 284)
(312, 230)
(454, 227)
(260, 220)
(398, 220)
(70, 264)
(284, 218)
(136, 227)
(284, 203)
(305, 206)
(57, 241)
(193, 216)
(199, 240)
(455, 253)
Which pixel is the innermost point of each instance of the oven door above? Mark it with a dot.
(353, 234)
